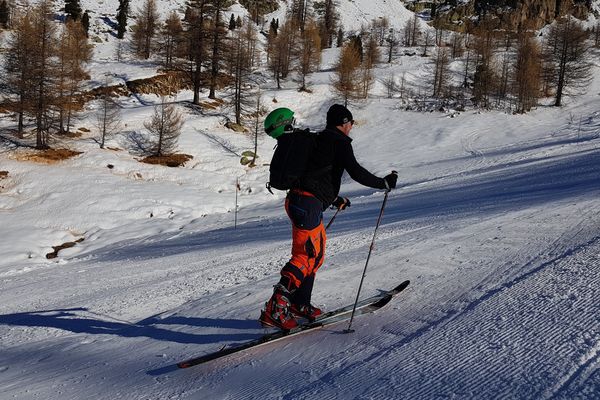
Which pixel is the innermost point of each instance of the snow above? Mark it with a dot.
(356, 14)
(495, 222)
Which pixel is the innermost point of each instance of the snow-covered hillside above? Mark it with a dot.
(355, 14)
(495, 222)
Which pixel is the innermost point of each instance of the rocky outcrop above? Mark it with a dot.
(508, 14)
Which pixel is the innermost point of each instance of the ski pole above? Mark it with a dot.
(332, 218)
(348, 330)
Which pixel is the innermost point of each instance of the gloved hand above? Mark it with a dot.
(341, 203)
(390, 180)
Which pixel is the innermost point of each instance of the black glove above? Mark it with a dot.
(341, 203)
(390, 180)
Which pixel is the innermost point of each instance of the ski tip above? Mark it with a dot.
(162, 370)
(402, 286)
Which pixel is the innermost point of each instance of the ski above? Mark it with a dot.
(365, 306)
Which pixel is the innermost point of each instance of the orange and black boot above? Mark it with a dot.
(277, 310)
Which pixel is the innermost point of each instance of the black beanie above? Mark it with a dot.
(338, 115)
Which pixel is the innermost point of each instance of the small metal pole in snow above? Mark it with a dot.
(237, 189)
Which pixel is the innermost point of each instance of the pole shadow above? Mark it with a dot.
(74, 320)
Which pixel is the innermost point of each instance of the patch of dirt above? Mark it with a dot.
(67, 245)
(170, 82)
(71, 134)
(173, 160)
(161, 85)
(112, 91)
(3, 174)
(48, 156)
(235, 127)
(212, 104)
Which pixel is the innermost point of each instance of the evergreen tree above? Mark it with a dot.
(122, 13)
(73, 9)
(4, 14)
(340, 37)
(274, 27)
(232, 23)
(85, 22)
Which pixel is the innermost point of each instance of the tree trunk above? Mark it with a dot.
(215, 56)
(561, 74)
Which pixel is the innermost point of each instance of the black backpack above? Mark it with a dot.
(290, 160)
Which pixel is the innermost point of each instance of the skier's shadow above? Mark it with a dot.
(81, 320)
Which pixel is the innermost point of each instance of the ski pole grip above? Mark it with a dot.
(388, 189)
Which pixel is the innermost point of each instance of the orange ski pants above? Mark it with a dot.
(308, 236)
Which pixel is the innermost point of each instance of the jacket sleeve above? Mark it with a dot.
(359, 173)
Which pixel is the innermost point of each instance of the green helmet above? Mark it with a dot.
(278, 120)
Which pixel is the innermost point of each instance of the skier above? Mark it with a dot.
(315, 192)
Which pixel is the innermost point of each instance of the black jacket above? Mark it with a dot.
(333, 156)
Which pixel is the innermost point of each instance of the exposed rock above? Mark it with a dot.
(508, 14)
(67, 245)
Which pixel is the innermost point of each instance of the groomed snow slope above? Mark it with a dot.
(495, 223)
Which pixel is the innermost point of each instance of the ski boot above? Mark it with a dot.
(277, 310)
(307, 311)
